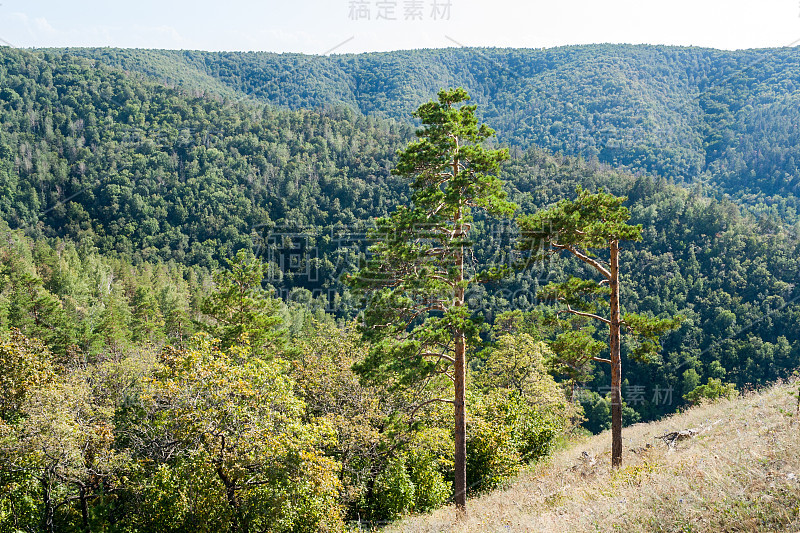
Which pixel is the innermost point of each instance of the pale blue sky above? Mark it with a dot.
(317, 26)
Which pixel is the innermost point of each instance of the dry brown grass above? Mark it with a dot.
(741, 474)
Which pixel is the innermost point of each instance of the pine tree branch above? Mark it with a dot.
(439, 355)
(442, 279)
(585, 258)
(587, 315)
(428, 402)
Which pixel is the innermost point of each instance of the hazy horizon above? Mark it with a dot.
(360, 26)
(336, 53)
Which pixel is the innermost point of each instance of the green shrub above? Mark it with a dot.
(492, 454)
(597, 411)
(536, 435)
(431, 490)
(394, 490)
(712, 391)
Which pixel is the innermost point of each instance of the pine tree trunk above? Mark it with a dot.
(459, 377)
(616, 363)
(460, 482)
(459, 372)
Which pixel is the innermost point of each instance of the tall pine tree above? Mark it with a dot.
(414, 284)
(594, 222)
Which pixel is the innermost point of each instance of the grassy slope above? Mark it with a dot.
(741, 474)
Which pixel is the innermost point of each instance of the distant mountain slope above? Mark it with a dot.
(726, 117)
(127, 165)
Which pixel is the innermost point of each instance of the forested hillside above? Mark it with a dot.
(129, 168)
(153, 173)
(692, 114)
(142, 219)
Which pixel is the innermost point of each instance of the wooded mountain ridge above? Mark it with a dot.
(728, 118)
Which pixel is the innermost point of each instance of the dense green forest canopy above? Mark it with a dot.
(127, 168)
(137, 184)
(729, 118)
(153, 173)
